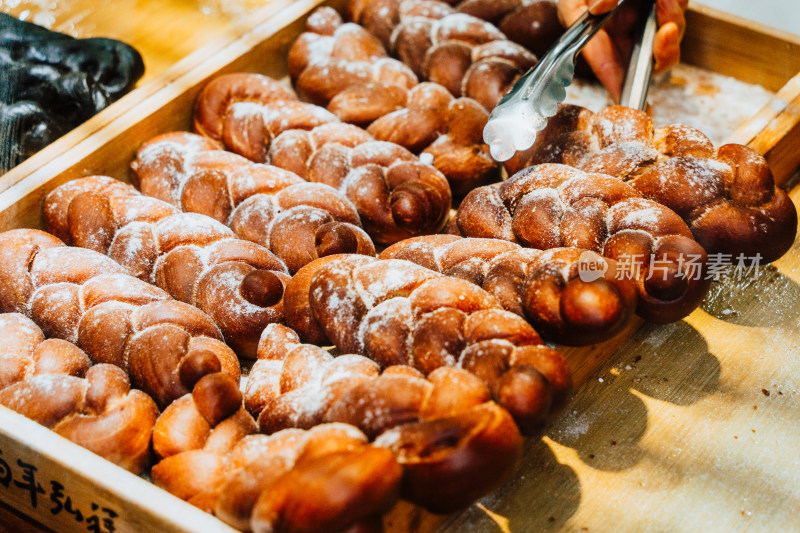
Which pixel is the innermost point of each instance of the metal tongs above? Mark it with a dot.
(524, 110)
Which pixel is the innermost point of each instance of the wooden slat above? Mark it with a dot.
(775, 131)
(740, 48)
(148, 25)
(91, 483)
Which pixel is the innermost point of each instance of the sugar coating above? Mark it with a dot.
(713, 103)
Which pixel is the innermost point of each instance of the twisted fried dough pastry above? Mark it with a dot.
(726, 196)
(301, 385)
(544, 287)
(296, 220)
(330, 64)
(197, 260)
(246, 111)
(86, 298)
(532, 23)
(392, 202)
(396, 312)
(395, 195)
(552, 206)
(466, 54)
(381, 184)
(50, 381)
(324, 479)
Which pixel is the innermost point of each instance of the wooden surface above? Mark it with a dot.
(687, 427)
(100, 493)
(659, 437)
(775, 130)
(173, 37)
(740, 48)
(163, 32)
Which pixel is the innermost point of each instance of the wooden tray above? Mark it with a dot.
(173, 37)
(585, 445)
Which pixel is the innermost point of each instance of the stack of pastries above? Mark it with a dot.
(280, 229)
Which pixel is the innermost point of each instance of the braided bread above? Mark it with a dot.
(246, 111)
(86, 298)
(395, 195)
(398, 313)
(296, 220)
(466, 54)
(43, 379)
(330, 64)
(532, 23)
(544, 287)
(391, 203)
(301, 385)
(26, 353)
(379, 184)
(324, 479)
(726, 196)
(196, 259)
(551, 206)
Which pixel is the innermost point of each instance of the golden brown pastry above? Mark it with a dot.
(196, 259)
(466, 54)
(553, 206)
(378, 185)
(296, 220)
(86, 298)
(50, 381)
(26, 353)
(326, 479)
(532, 23)
(399, 313)
(331, 65)
(395, 195)
(546, 288)
(726, 196)
(246, 111)
(301, 385)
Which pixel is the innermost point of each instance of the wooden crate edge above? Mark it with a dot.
(134, 98)
(86, 479)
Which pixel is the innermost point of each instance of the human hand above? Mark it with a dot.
(608, 51)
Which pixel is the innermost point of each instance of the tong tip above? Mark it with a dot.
(512, 131)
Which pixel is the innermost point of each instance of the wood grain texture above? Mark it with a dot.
(163, 32)
(648, 441)
(739, 48)
(173, 37)
(775, 131)
(687, 427)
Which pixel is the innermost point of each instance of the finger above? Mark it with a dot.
(672, 11)
(603, 58)
(598, 7)
(570, 10)
(666, 48)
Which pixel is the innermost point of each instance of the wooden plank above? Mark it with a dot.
(33, 456)
(775, 131)
(13, 522)
(740, 48)
(144, 24)
(164, 32)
